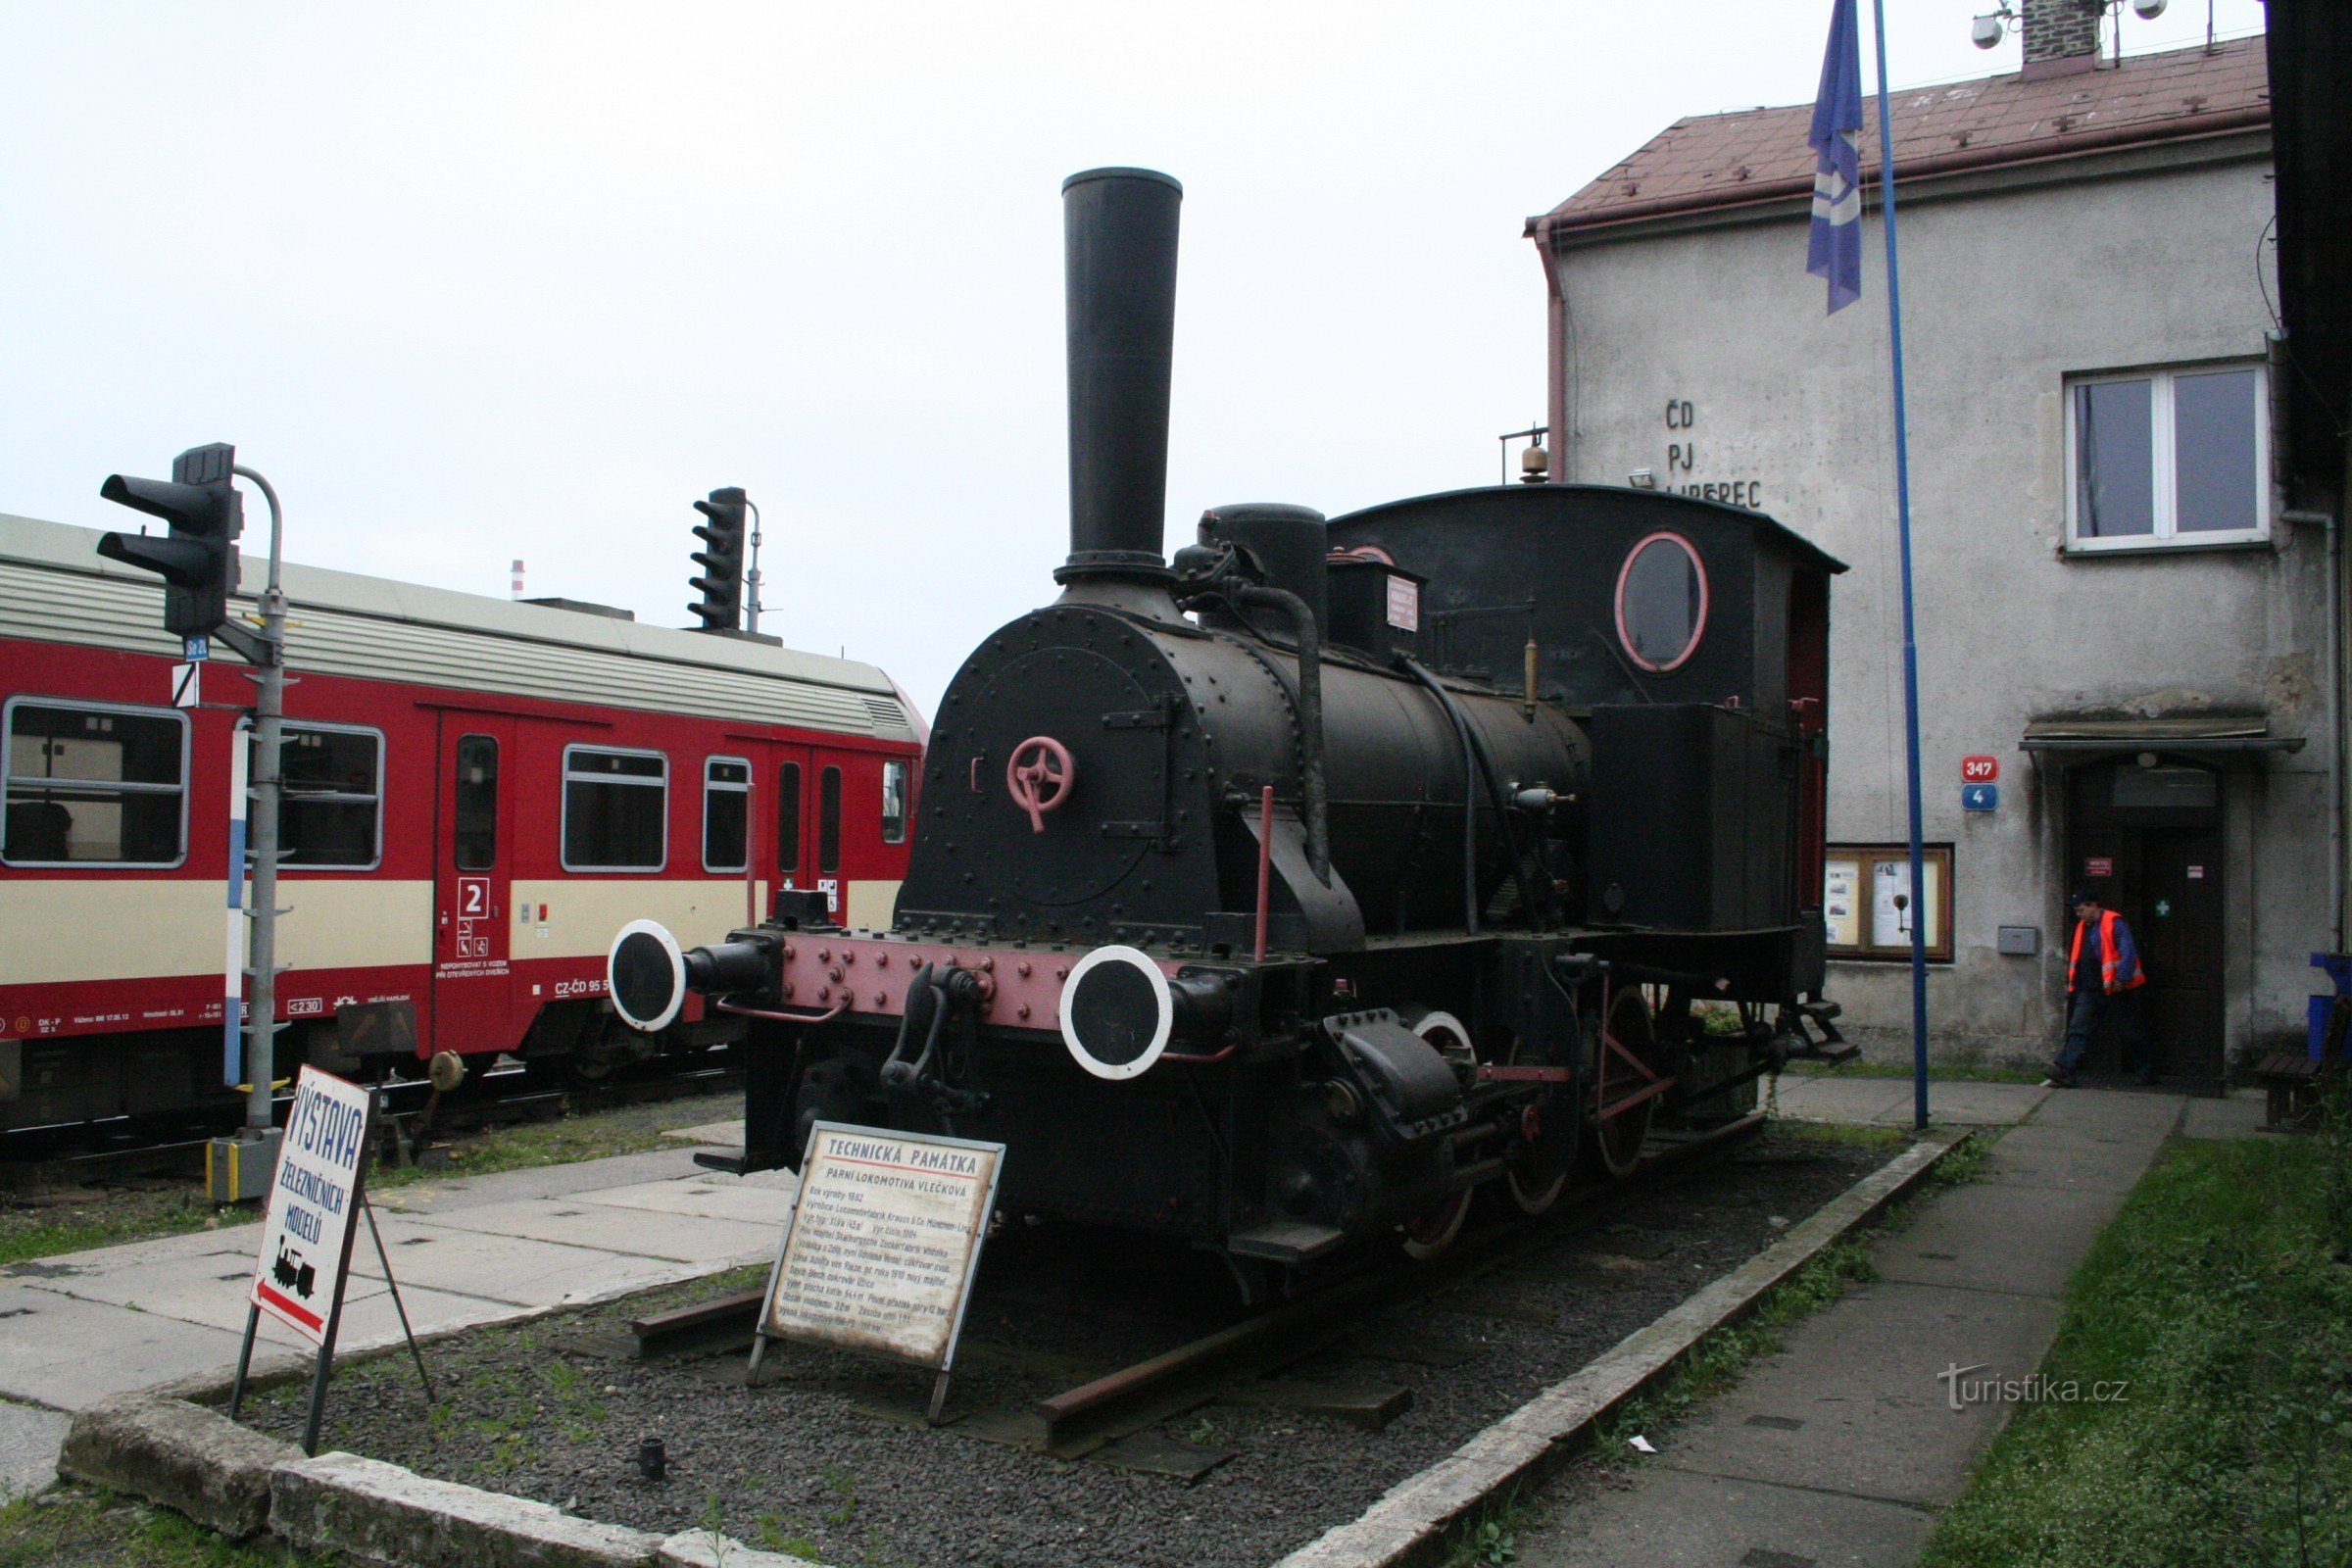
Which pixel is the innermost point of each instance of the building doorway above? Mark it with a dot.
(2144, 835)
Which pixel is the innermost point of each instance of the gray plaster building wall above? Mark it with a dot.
(2013, 280)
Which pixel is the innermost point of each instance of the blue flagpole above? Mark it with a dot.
(1902, 502)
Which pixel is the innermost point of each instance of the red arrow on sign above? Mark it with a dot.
(1980, 769)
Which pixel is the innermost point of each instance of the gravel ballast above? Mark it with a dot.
(826, 1460)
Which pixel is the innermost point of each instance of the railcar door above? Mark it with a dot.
(473, 867)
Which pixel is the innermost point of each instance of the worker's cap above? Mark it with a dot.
(2080, 897)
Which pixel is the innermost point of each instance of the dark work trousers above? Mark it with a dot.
(2091, 1009)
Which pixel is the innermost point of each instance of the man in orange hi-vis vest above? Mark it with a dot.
(2103, 978)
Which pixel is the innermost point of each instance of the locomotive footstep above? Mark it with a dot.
(1368, 1405)
(1159, 1454)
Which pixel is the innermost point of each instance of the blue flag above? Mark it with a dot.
(1836, 251)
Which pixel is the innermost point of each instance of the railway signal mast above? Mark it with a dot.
(198, 561)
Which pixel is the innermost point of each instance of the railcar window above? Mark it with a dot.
(788, 819)
(331, 809)
(1661, 602)
(477, 802)
(88, 785)
(615, 807)
(828, 821)
(893, 801)
(726, 815)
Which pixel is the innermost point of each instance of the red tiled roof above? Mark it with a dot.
(1752, 155)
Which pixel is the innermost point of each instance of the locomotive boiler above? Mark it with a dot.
(1281, 895)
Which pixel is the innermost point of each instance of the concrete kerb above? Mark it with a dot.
(192, 1460)
(384, 1513)
(1413, 1520)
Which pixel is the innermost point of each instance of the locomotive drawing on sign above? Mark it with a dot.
(479, 793)
(1279, 897)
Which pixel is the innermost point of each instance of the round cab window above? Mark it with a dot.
(1661, 602)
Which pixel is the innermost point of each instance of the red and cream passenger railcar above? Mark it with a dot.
(479, 793)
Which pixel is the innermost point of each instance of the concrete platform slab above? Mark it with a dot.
(1800, 1418)
(446, 1195)
(1973, 1105)
(2241, 1115)
(69, 1355)
(199, 1291)
(2045, 1231)
(1681, 1520)
(30, 1441)
(680, 1236)
(1847, 1099)
(2113, 1110)
(2061, 1159)
(1888, 1102)
(725, 1199)
(518, 1271)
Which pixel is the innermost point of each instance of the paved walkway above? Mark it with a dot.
(1840, 1451)
(81, 1327)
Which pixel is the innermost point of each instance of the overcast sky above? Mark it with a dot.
(479, 281)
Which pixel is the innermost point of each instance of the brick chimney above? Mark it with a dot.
(2062, 36)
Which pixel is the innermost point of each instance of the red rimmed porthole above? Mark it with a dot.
(1661, 602)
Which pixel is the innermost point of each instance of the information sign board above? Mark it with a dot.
(306, 1235)
(882, 1245)
(1980, 769)
(1980, 797)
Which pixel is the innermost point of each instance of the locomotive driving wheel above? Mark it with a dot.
(1628, 1080)
(1427, 1233)
(1547, 1130)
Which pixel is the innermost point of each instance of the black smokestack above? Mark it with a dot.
(1119, 256)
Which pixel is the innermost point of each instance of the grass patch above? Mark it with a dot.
(1490, 1537)
(1843, 1135)
(110, 1216)
(81, 1527)
(630, 1129)
(2215, 1300)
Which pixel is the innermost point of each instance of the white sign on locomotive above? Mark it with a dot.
(1250, 912)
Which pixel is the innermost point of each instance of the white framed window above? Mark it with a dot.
(2170, 458)
(615, 810)
(726, 815)
(330, 813)
(93, 784)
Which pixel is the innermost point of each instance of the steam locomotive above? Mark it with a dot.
(1280, 897)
